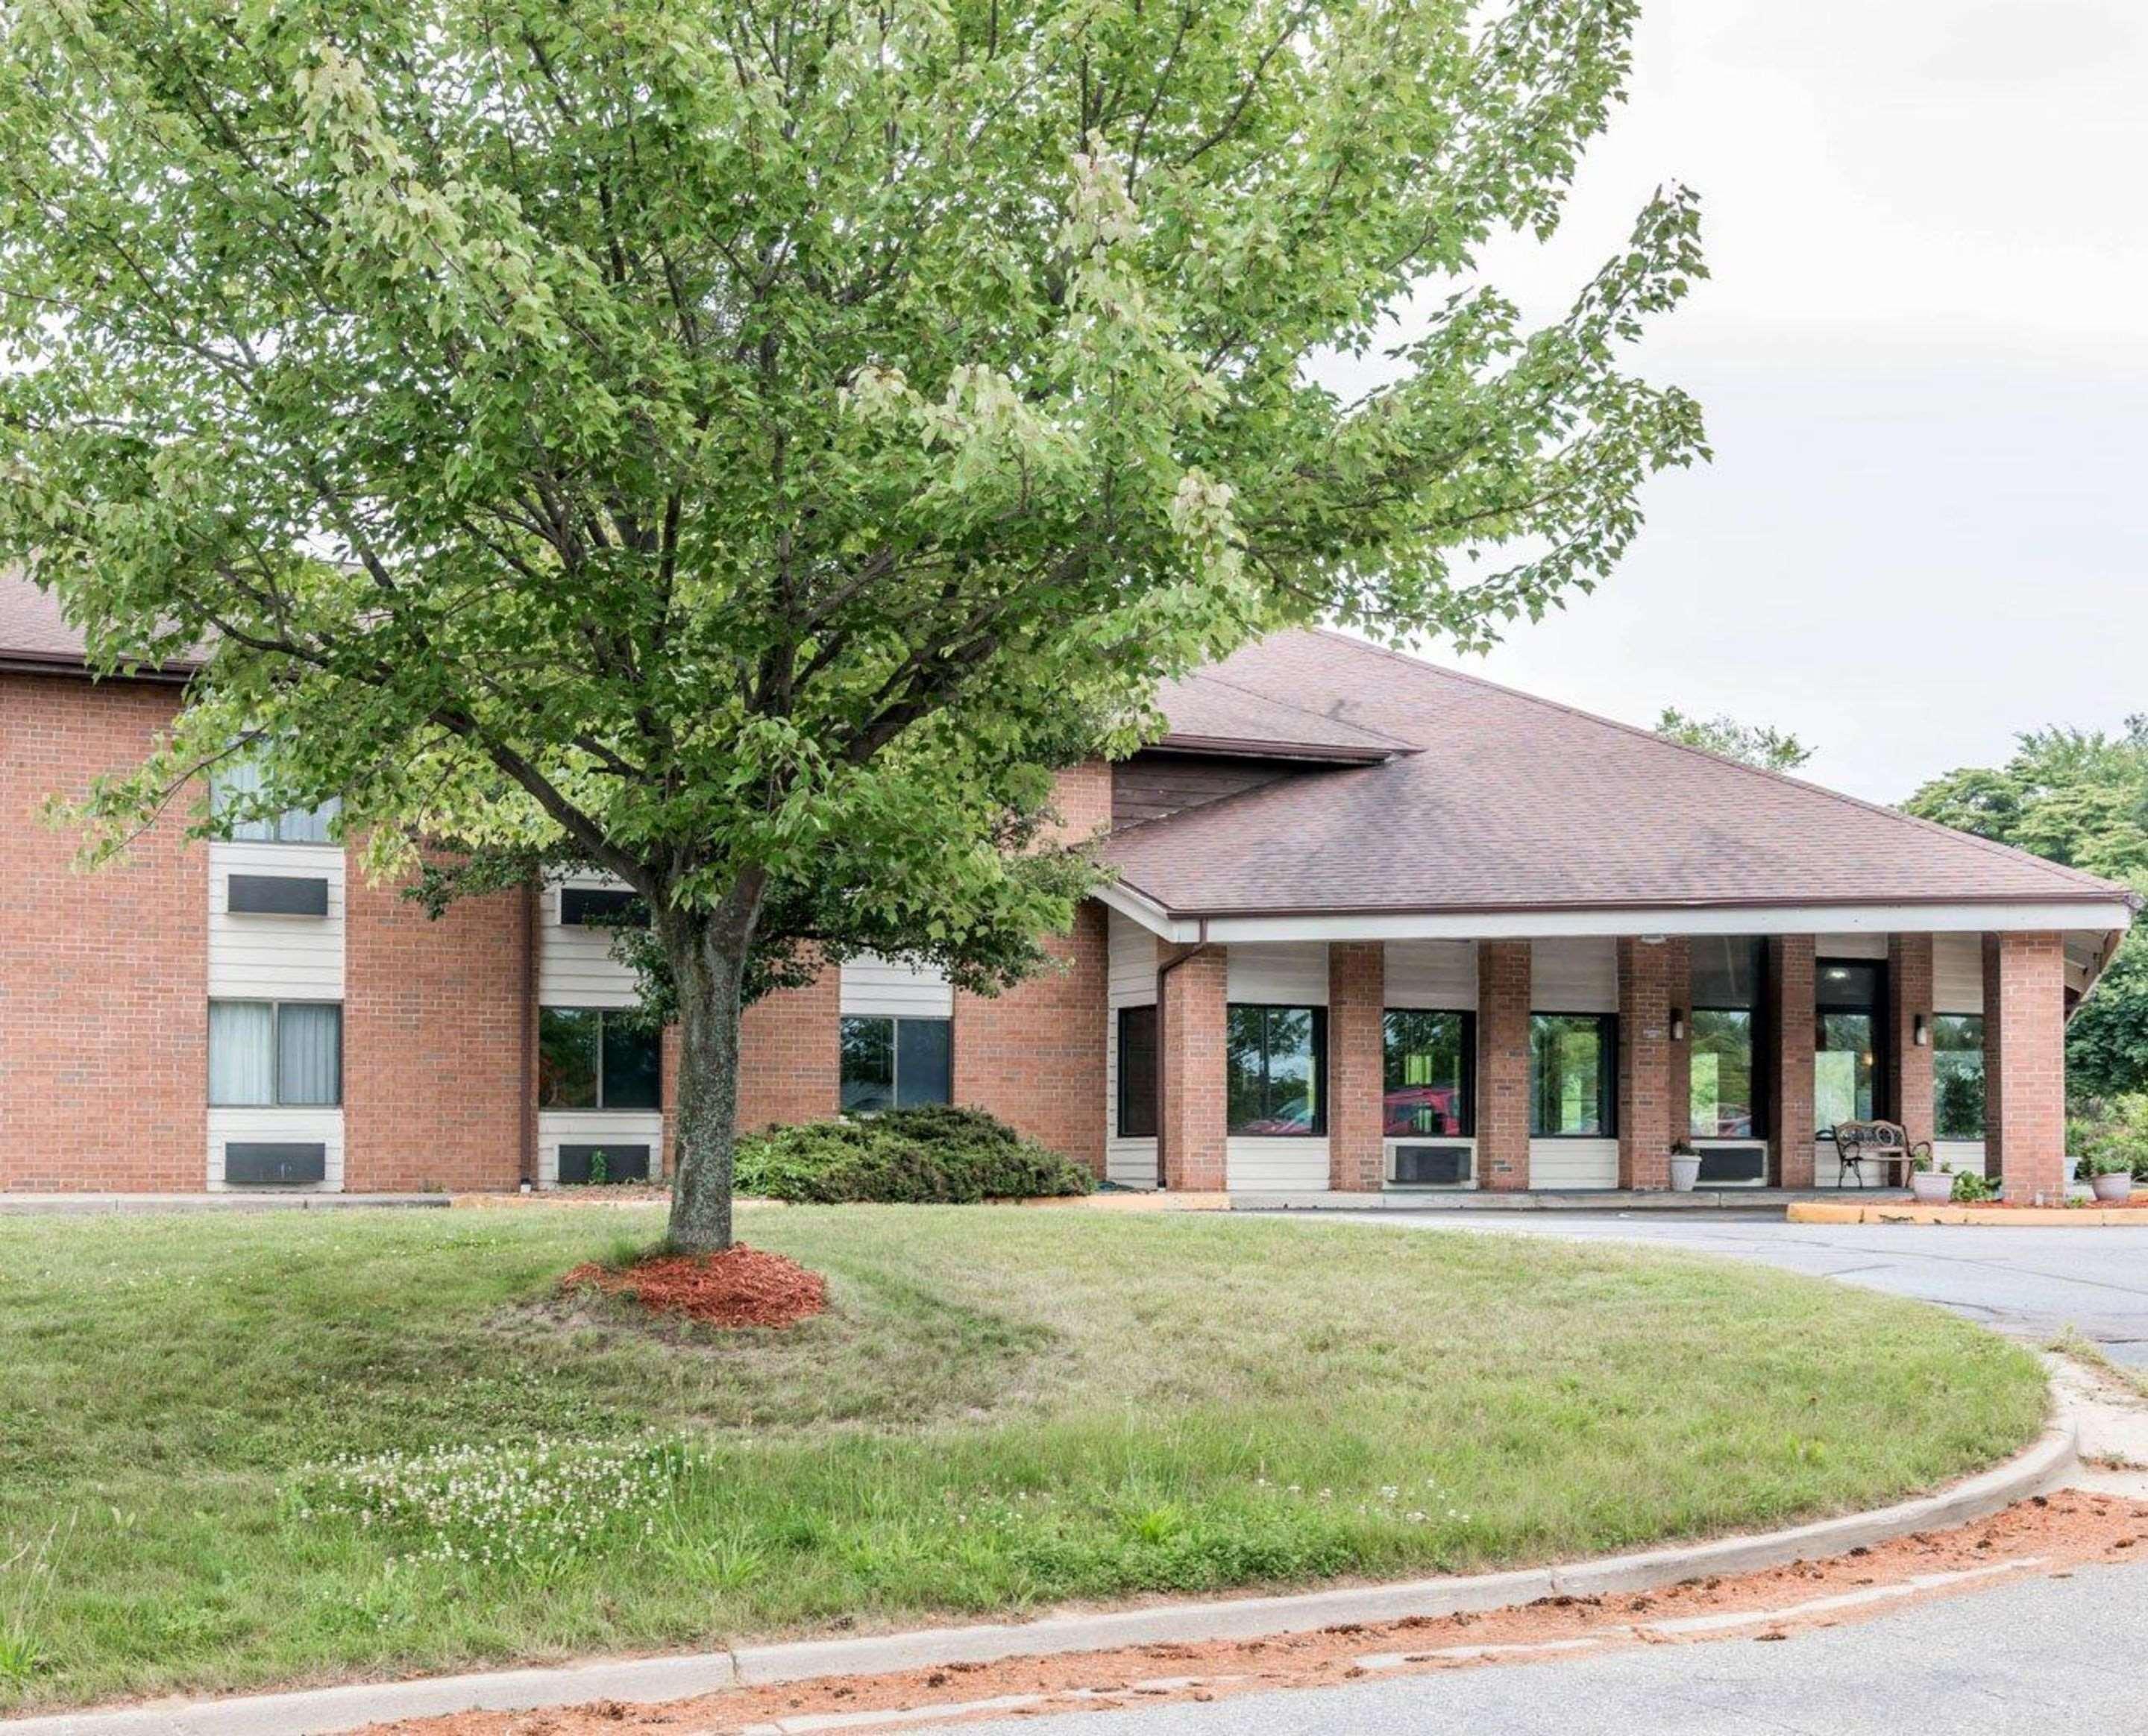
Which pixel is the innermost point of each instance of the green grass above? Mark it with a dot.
(1003, 1407)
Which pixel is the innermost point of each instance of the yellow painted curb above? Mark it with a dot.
(1815, 1211)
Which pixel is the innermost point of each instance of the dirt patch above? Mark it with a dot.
(740, 1286)
(2046, 1535)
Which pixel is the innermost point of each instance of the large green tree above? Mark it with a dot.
(745, 446)
(2079, 797)
(1757, 745)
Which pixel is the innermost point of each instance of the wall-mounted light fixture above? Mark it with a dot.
(1677, 1025)
(1920, 1031)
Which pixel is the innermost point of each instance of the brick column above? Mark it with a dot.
(1502, 1065)
(1357, 993)
(1678, 1087)
(1909, 1066)
(1790, 1087)
(790, 1059)
(1645, 1008)
(1193, 1116)
(2024, 1064)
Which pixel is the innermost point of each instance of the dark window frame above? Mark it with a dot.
(1318, 1127)
(602, 907)
(1120, 1127)
(894, 1020)
(1469, 1075)
(276, 1004)
(602, 1015)
(1883, 1107)
(1761, 1067)
(1606, 1071)
(1983, 1134)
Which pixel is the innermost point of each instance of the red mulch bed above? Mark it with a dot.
(740, 1286)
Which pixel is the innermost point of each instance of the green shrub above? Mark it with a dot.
(931, 1155)
(2111, 1135)
(1971, 1188)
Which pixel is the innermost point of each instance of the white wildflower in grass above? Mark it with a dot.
(541, 1502)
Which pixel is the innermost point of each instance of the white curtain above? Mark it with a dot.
(242, 1052)
(309, 1055)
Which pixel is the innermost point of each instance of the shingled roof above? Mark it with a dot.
(1492, 800)
(35, 636)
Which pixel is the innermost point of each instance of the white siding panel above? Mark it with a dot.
(270, 958)
(1856, 946)
(556, 1127)
(1573, 1162)
(313, 1127)
(1958, 1154)
(1575, 975)
(1290, 975)
(1958, 973)
(1130, 981)
(1432, 974)
(873, 985)
(1276, 1166)
(574, 964)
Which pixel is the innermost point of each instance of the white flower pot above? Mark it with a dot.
(1685, 1173)
(2111, 1189)
(1932, 1186)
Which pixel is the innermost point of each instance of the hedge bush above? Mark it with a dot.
(932, 1155)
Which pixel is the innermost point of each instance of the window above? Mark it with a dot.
(601, 907)
(1137, 1081)
(1427, 1062)
(1724, 1095)
(1275, 1061)
(1846, 1067)
(233, 782)
(890, 1063)
(1957, 1075)
(1573, 1061)
(281, 1054)
(593, 1058)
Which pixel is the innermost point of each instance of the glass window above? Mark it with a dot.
(1275, 1061)
(890, 1063)
(1720, 1096)
(1425, 1075)
(1846, 1044)
(233, 782)
(1726, 970)
(590, 1059)
(1958, 1076)
(267, 1053)
(1137, 1080)
(1574, 1060)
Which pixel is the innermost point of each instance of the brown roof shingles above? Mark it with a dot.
(34, 634)
(1511, 802)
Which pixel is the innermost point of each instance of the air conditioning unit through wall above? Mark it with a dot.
(1433, 1165)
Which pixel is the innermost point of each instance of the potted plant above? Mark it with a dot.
(1928, 1185)
(1685, 1167)
(2110, 1174)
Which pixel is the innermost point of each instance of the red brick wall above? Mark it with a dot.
(436, 1021)
(1645, 1065)
(1909, 1064)
(103, 977)
(2025, 1063)
(1503, 1064)
(1357, 992)
(1033, 1055)
(1193, 1117)
(1790, 1088)
(789, 1069)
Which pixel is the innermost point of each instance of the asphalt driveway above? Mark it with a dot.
(2032, 1282)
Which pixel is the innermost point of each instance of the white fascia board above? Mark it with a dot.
(1147, 912)
(1529, 924)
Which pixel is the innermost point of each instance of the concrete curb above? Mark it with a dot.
(324, 1712)
(2012, 1218)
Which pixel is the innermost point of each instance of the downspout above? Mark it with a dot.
(1163, 1048)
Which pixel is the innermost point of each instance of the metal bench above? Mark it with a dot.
(1882, 1142)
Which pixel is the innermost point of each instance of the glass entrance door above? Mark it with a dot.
(1847, 1036)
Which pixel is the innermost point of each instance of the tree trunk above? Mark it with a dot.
(708, 954)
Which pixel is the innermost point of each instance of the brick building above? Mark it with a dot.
(1375, 925)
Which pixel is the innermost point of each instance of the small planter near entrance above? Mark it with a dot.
(1930, 1187)
(2110, 1176)
(1685, 1168)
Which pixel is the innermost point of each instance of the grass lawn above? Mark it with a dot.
(299, 1447)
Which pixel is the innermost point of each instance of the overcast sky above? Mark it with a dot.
(1922, 355)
